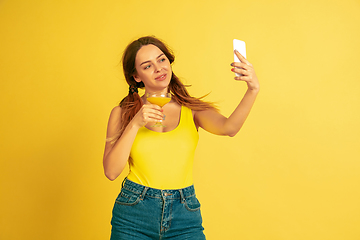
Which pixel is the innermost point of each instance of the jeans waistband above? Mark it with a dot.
(158, 193)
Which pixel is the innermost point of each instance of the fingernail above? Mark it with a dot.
(233, 69)
(232, 64)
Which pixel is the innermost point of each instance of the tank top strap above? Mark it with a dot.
(186, 117)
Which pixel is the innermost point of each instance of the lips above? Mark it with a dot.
(161, 77)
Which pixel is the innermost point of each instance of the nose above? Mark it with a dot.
(157, 67)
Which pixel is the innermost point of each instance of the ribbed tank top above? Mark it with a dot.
(164, 160)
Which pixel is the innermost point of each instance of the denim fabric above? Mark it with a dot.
(147, 213)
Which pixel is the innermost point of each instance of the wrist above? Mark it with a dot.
(132, 126)
(254, 90)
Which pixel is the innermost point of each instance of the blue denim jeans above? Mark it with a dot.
(146, 213)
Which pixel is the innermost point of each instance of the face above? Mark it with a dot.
(153, 68)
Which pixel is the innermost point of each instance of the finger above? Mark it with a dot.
(243, 78)
(157, 107)
(154, 113)
(153, 109)
(149, 111)
(152, 106)
(242, 58)
(240, 71)
(238, 54)
(152, 117)
(240, 65)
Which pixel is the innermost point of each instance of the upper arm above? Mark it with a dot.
(112, 128)
(114, 122)
(211, 121)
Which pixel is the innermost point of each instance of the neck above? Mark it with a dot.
(162, 91)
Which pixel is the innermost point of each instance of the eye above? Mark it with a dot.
(162, 60)
(146, 67)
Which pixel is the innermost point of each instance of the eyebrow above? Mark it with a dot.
(150, 61)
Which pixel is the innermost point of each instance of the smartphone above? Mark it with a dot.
(240, 46)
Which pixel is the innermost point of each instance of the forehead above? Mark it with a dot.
(147, 53)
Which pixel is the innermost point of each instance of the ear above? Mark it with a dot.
(137, 78)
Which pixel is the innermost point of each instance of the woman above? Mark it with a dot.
(157, 199)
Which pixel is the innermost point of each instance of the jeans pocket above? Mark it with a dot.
(127, 197)
(192, 203)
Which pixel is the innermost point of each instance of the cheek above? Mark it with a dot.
(168, 67)
(145, 73)
(141, 76)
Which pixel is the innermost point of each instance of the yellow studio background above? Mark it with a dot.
(292, 173)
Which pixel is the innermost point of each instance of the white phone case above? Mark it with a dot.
(240, 46)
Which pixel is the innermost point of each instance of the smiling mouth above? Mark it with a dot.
(161, 77)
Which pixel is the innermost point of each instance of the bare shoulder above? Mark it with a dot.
(207, 113)
(209, 119)
(193, 114)
(114, 119)
(115, 112)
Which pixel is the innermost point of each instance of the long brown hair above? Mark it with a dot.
(132, 103)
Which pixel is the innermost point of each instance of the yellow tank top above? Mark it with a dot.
(165, 160)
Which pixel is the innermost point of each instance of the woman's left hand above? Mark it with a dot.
(246, 69)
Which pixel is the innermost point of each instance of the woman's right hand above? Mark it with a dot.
(148, 113)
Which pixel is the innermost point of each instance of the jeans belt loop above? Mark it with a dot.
(182, 196)
(122, 184)
(143, 193)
